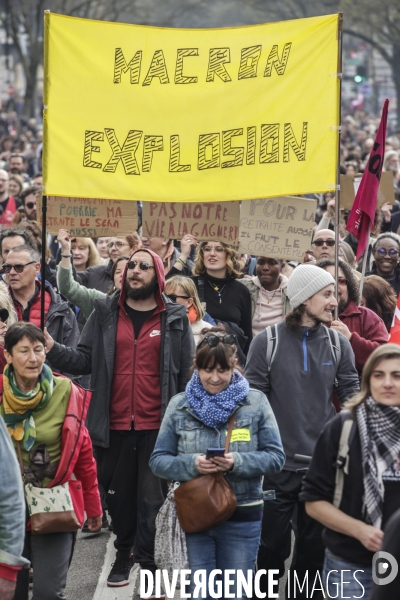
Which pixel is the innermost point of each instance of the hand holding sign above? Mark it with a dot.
(64, 237)
(187, 242)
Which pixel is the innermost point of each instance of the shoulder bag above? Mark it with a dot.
(206, 501)
(59, 509)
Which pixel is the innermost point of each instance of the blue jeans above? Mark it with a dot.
(231, 545)
(347, 580)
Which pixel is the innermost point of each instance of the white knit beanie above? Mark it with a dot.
(305, 281)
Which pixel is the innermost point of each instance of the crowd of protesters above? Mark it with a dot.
(172, 337)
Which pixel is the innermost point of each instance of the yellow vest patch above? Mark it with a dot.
(240, 435)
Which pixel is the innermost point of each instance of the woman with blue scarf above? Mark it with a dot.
(197, 420)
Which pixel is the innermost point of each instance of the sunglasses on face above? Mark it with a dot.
(322, 242)
(383, 252)
(214, 340)
(173, 297)
(143, 265)
(30, 205)
(17, 268)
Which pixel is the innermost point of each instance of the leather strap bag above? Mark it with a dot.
(51, 510)
(206, 501)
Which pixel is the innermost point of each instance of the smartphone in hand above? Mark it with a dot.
(213, 452)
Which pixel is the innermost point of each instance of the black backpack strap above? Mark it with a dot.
(343, 457)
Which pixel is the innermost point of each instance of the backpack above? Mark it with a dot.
(272, 345)
(343, 457)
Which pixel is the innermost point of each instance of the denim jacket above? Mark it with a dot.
(12, 507)
(183, 437)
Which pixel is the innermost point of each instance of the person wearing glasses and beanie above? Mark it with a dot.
(197, 420)
(138, 347)
(360, 325)
(386, 251)
(298, 372)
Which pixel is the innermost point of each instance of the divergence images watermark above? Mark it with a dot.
(237, 584)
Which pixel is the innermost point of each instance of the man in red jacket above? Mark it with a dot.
(138, 347)
(360, 325)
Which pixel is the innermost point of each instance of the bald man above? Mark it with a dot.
(8, 206)
(323, 245)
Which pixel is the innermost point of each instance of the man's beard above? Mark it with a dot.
(317, 320)
(141, 293)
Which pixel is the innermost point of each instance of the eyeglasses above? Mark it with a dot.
(342, 281)
(173, 297)
(322, 242)
(116, 244)
(30, 205)
(17, 268)
(143, 265)
(213, 340)
(217, 249)
(384, 252)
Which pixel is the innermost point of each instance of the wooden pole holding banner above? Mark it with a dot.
(339, 130)
(366, 254)
(43, 265)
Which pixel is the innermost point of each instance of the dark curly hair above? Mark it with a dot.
(293, 319)
(353, 287)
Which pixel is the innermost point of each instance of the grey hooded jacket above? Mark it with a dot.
(96, 350)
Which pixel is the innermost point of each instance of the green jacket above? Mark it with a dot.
(76, 293)
(254, 291)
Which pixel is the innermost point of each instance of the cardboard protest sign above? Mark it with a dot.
(190, 115)
(85, 217)
(276, 227)
(206, 221)
(349, 186)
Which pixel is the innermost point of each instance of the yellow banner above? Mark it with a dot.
(145, 113)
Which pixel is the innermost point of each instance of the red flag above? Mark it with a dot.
(394, 337)
(362, 215)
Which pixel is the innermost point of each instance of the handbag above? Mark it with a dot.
(170, 550)
(52, 510)
(206, 501)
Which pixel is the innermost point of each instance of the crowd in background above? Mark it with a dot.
(105, 298)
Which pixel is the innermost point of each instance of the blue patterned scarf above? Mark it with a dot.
(215, 409)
